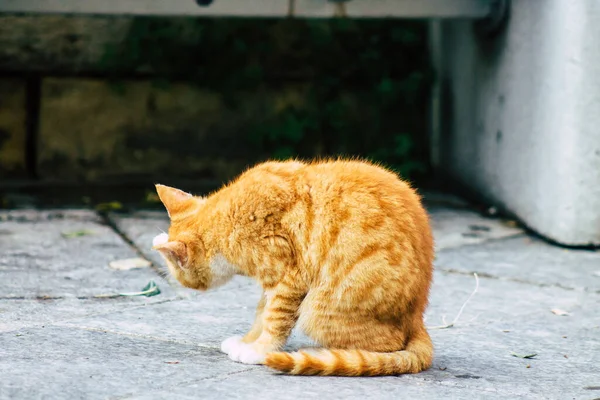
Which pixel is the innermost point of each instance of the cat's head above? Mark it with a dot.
(183, 249)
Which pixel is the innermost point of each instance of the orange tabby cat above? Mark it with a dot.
(342, 249)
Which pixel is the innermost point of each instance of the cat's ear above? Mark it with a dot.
(173, 199)
(174, 251)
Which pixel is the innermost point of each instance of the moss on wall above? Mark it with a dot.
(366, 81)
(283, 87)
(12, 128)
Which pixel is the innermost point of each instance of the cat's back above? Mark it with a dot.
(368, 201)
(335, 210)
(362, 185)
(355, 174)
(349, 183)
(333, 187)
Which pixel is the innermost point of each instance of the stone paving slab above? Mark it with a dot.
(141, 228)
(261, 384)
(128, 342)
(37, 261)
(205, 320)
(475, 354)
(458, 227)
(51, 272)
(56, 362)
(215, 315)
(506, 317)
(526, 259)
(497, 300)
(18, 313)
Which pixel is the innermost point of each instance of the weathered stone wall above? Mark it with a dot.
(58, 44)
(12, 128)
(143, 98)
(93, 130)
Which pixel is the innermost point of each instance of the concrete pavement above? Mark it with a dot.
(59, 341)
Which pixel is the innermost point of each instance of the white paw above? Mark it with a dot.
(228, 344)
(245, 353)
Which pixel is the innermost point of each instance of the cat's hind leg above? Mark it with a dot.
(359, 347)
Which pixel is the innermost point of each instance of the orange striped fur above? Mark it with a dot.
(343, 250)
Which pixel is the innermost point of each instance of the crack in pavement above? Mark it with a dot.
(96, 314)
(112, 225)
(492, 240)
(44, 298)
(137, 336)
(179, 384)
(516, 280)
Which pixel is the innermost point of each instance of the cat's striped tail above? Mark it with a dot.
(416, 357)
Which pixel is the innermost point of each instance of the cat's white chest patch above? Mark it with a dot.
(269, 294)
(160, 239)
(221, 270)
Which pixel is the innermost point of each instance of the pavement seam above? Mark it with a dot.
(217, 376)
(108, 221)
(411, 378)
(485, 241)
(516, 280)
(44, 298)
(63, 321)
(49, 215)
(137, 335)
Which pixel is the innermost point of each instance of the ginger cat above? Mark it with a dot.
(342, 249)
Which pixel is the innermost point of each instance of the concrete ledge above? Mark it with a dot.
(522, 116)
(263, 8)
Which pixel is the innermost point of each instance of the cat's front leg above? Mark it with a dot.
(257, 326)
(229, 345)
(278, 318)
